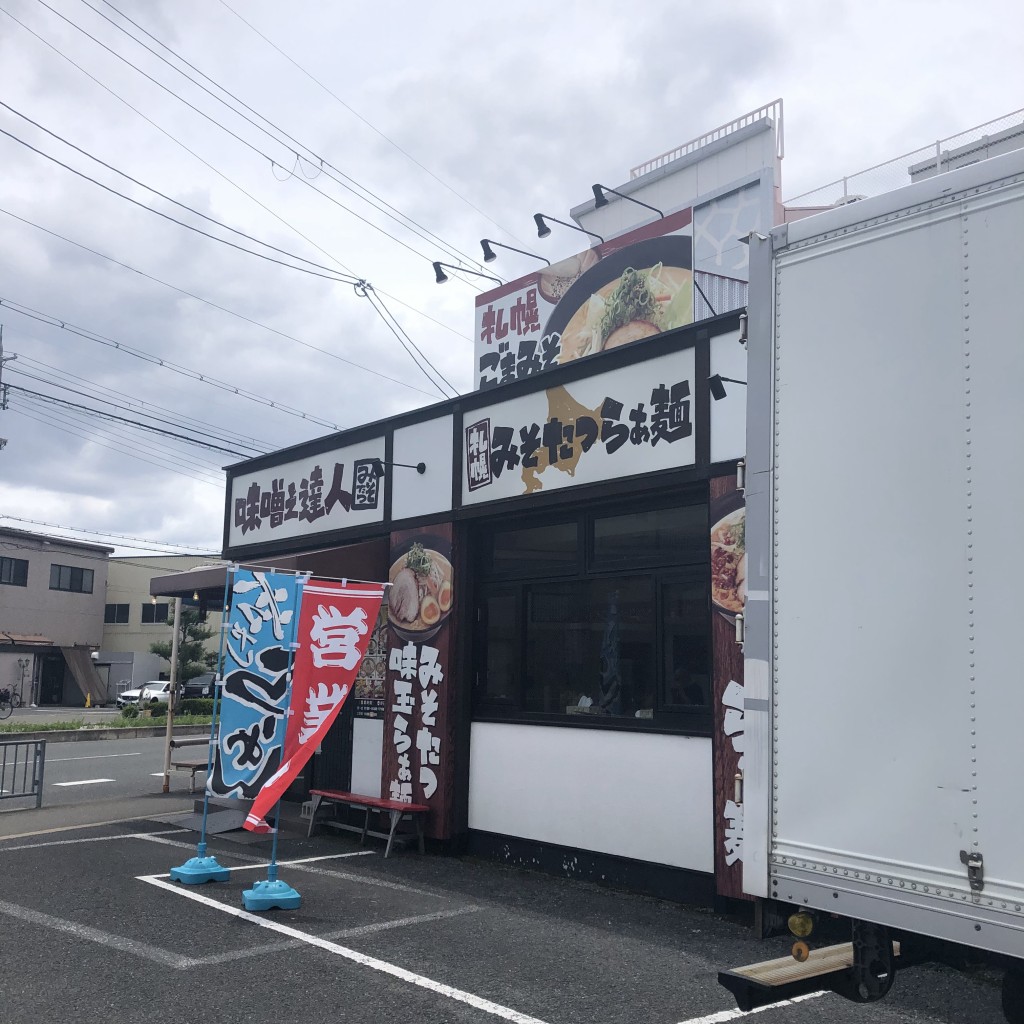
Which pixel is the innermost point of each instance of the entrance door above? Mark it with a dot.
(51, 680)
(332, 767)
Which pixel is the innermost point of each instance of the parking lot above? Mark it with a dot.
(95, 931)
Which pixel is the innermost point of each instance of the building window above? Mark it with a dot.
(71, 577)
(153, 614)
(115, 613)
(14, 571)
(597, 618)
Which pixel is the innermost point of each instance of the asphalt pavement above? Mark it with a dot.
(95, 930)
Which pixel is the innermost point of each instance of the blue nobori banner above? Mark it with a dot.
(260, 632)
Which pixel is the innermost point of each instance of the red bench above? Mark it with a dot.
(395, 809)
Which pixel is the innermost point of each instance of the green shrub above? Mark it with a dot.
(130, 711)
(197, 706)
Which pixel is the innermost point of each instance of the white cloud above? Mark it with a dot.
(518, 107)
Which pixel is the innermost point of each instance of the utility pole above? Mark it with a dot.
(3, 387)
(172, 696)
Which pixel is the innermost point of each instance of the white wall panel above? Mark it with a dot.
(415, 494)
(641, 795)
(367, 755)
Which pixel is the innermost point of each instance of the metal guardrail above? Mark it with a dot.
(988, 139)
(771, 110)
(21, 769)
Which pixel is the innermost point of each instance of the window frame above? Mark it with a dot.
(149, 613)
(12, 577)
(71, 579)
(115, 621)
(686, 719)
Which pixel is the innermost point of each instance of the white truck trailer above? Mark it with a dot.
(884, 693)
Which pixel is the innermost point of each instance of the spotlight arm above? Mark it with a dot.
(543, 230)
(490, 255)
(440, 276)
(599, 199)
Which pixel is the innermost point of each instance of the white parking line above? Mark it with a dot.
(84, 782)
(341, 933)
(380, 883)
(84, 931)
(93, 757)
(90, 839)
(496, 1009)
(726, 1015)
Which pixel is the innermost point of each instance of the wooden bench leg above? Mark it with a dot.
(396, 817)
(312, 815)
(419, 831)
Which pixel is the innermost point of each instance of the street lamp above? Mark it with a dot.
(23, 664)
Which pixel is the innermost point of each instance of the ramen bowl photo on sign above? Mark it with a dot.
(421, 592)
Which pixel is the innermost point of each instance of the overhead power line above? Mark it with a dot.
(331, 275)
(360, 285)
(57, 423)
(120, 536)
(403, 338)
(57, 377)
(222, 175)
(229, 180)
(323, 165)
(205, 378)
(224, 128)
(215, 305)
(370, 125)
(121, 437)
(123, 419)
(349, 278)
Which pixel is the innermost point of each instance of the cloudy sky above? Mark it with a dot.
(436, 124)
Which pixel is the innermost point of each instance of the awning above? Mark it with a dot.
(360, 560)
(25, 639)
(206, 581)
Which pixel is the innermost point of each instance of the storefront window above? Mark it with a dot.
(598, 618)
(501, 652)
(591, 648)
(686, 648)
(676, 535)
(535, 550)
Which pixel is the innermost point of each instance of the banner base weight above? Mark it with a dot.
(270, 894)
(197, 870)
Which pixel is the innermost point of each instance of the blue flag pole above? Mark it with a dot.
(273, 892)
(201, 868)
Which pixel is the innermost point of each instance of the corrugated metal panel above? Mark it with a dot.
(720, 295)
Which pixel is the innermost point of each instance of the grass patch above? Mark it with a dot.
(40, 726)
(114, 723)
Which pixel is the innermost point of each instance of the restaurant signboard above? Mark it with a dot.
(628, 288)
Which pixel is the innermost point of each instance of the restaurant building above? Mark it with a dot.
(557, 673)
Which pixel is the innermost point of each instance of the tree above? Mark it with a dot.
(193, 658)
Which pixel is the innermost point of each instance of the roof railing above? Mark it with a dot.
(934, 158)
(771, 110)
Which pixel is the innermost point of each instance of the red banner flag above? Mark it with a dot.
(335, 623)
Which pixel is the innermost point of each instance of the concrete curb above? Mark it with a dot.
(102, 733)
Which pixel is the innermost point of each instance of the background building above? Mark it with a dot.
(133, 621)
(52, 593)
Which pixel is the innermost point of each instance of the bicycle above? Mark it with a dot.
(6, 705)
